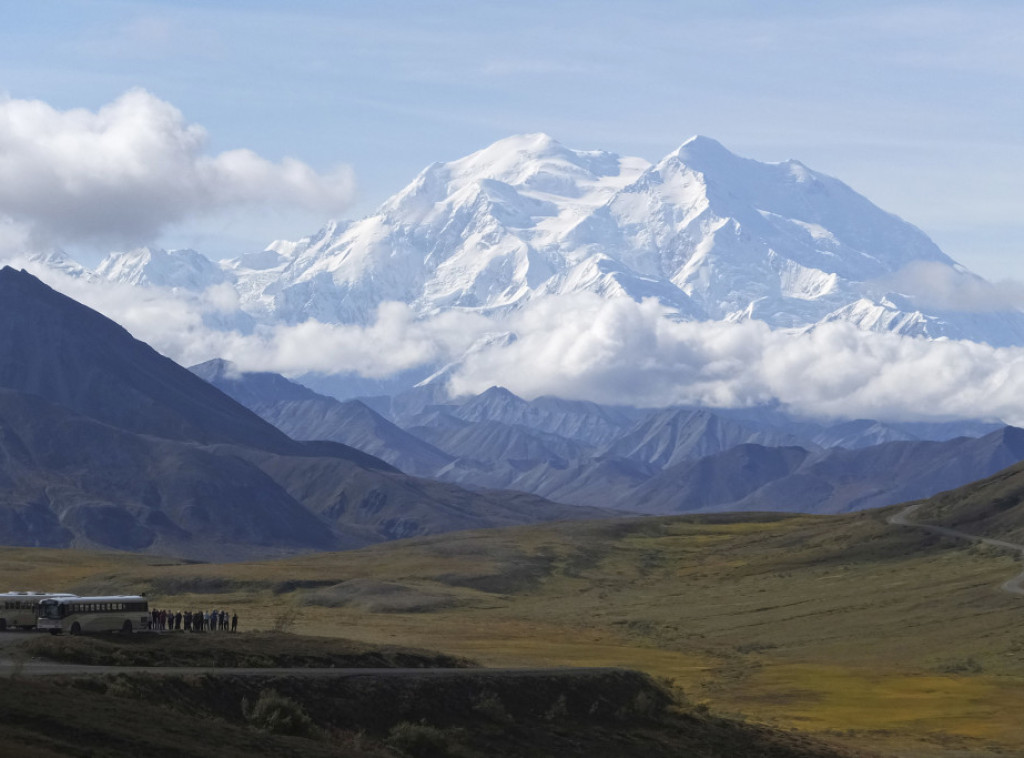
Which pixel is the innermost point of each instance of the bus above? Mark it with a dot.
(86, 615)
(20, 610)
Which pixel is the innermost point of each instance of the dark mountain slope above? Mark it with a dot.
(393, 506)
(304, 414)
(992, 507)
(578, 420)
(63, 351)
(666, 438)
(70, 481)
(103, 442)
(727, 477)
(844, 480)
(752, 477)
(492, 441)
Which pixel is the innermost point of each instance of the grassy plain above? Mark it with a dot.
(878, 636)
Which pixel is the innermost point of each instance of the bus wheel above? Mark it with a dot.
(76, 629)
(55, 632)
(126, 627)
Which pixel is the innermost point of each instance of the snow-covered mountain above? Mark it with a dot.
(153, 267)
(709, 234)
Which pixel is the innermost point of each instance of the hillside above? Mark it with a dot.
(993, 507)
(886, 638)
(106, 443)
(306, 415)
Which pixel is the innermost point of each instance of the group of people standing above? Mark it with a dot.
(194, 621)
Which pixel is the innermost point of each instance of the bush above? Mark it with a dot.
(418, 740)
(489, 705)
(276, 713)
(961, 666)
(285, 620)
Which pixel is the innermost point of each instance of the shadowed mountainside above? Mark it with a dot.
(993, 507)
(106, 443)
(307, 415)
(674, 460)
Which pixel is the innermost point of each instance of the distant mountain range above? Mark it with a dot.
(711, 235)
(660, 461)
(104, 443)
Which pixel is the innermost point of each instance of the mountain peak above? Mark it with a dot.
(535, 161)
(700, 143)
(216, 368)
(708, 156)
(184, 268)
(498, 392)
(535, 143)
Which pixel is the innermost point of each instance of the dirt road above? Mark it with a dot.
(1014, 586)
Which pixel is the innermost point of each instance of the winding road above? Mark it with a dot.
(1014, 586)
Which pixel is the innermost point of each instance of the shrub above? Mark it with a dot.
(285, 620)
(418, 740)
(961, 666)
(276, 713)
(558, 711)
(489, 705)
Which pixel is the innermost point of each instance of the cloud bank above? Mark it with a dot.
(935, 285)
(586, 347)
(619, 351)
(124, 172)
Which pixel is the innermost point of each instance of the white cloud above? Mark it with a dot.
(619, 351)
(188, 327)
(586, 347)
(124, 172)
(937, 286)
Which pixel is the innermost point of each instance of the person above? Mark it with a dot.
(234, 622)
(187, 619)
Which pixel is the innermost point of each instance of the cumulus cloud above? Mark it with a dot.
(618, 351)
(936, 285)
(586, 347)
(192, 327)
(124, 172)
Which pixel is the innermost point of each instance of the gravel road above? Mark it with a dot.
(1014, 586)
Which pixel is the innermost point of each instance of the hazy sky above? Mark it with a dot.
(915, 104)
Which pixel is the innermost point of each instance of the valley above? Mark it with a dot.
(507, 376)
(878, 636)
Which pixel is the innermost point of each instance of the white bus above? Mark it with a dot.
(85, 615)
(20, 610)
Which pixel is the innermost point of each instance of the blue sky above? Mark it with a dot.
(916, 105)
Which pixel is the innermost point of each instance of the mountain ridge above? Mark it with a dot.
(662, 461)
(709, 234)
(105, 443)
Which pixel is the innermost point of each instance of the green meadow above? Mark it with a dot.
(879, 637)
